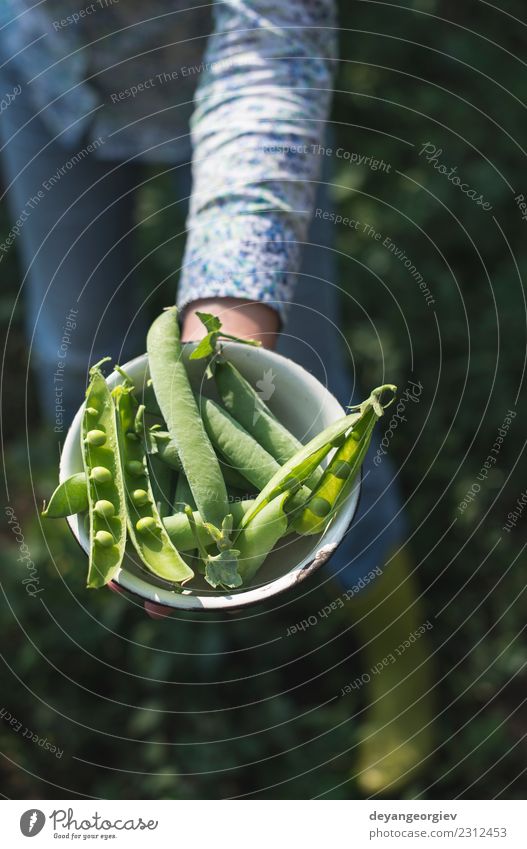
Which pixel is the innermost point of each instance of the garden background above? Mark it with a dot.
(96, 680)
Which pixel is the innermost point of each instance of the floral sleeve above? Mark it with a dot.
(260, 112)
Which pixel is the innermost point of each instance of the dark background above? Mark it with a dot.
(110, 686)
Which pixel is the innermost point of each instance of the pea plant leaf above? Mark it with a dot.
(222, 570)
(211, 322)
(208, 345)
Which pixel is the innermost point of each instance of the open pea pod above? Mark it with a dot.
(145, 527)
(342, 471)
(106, 500)
(297, 470)
(290, 477)
(71, 497)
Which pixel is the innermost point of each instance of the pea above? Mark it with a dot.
(104, 508)
(100, 454)
(319, 506)
(341, 469)
(99, 474)
(147, 523)
(96, 437)
(104, 539)
(232, 477)
(135, 468)
(140, 497)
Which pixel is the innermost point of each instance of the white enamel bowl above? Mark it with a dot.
(305, 407)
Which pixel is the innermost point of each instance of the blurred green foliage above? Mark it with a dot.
(110, 686)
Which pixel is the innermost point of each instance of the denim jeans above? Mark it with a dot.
(74, 217)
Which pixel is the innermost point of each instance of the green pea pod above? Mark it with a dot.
(177, 403)
(150, 400)
(167, 449)
(70, 497)
(163, 484)
(291, 476)
(106, 499)
(145, 527)
(260, 536)
(180, 532)
(232, 476)
(293, 473)
(248, 408)
(337, 478)
(183, 495)
(238, 447)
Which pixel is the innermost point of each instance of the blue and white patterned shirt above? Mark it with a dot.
(253, 78)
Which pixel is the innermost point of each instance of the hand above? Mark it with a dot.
(246, 319)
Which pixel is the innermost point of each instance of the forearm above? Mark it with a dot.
(260, 110)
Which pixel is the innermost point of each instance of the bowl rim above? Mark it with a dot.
(188, 600)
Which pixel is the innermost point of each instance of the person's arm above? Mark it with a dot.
(261, 108)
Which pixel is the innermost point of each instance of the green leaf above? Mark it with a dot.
(222, 570)
(211, 322)
(206, 347)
